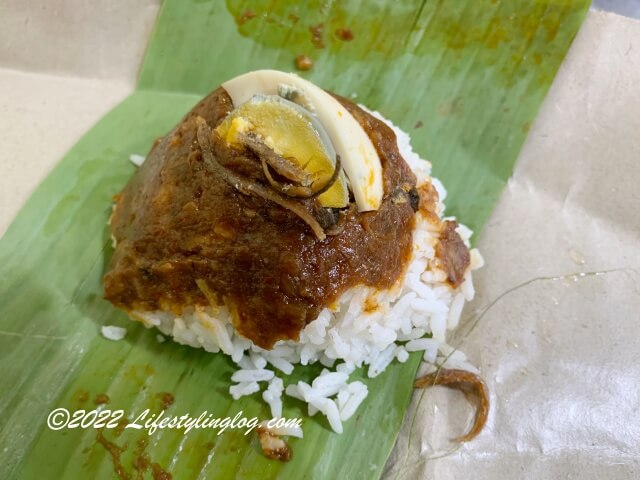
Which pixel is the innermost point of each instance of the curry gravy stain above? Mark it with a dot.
(317, 35)
(322, 25)
(115, 451)
(166, 399)
(496, 26)
(141, 462)
(160, 474)
(247, 15)
(303, 62)
(122, 424)
(344, 34)
(101, 398)
(141, 459)
(370, 305)
(81, 396)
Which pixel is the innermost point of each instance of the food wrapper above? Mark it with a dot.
(554, 328)
(555, 325)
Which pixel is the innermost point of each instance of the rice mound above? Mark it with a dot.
(412, 316)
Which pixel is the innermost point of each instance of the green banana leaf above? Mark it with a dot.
(465, 78)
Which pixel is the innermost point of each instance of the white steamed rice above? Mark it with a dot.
(344, 337)
(112, 332)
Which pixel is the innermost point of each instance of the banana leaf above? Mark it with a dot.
(465, 78)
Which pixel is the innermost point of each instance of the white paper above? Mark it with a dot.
(561, 355)
(63, 65)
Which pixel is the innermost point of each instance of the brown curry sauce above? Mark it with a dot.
(176, 223)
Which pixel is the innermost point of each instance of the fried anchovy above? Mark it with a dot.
(247, 187)
(471, 385)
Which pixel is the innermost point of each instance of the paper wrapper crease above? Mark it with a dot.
(555, 326)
